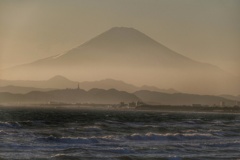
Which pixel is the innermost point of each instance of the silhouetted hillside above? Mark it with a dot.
(97, 96)
(22, 90)
(235, 98)
(60, 82)
(158, 98)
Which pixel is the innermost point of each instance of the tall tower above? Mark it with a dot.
(78, 87)
(222, 104)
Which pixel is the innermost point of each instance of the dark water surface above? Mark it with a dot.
(29, 133)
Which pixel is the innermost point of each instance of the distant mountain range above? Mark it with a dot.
(60, 82)
(22, 90)
(129, 55)
(61, 89)
(235, 98)
(113, 96)
(97, 96)
(156, 98)
(56, 82)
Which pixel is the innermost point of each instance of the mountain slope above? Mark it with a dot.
(126, 46)
(158, 98)
(22, 90)
(235, 98)
(120, 85)
(59, 82)
(118, 46)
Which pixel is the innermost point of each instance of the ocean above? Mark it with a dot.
(97, 134)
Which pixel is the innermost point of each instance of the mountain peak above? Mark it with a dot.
(121, 37)
(58, 78)
(122, 29)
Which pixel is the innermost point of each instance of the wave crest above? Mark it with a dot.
(169, 136)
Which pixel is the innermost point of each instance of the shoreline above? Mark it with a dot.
(147, 108)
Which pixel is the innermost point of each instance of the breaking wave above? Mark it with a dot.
(169, 136)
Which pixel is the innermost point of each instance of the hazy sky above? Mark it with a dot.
(204, 30)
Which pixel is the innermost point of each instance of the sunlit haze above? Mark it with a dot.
(205, 31)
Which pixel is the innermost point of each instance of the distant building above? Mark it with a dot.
(134, 104)
(222, 104)
(196, 105)
(139, 103)
(122, 104)
(237, 103)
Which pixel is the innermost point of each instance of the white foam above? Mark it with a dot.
(92, 128)
(3, 132)
(58, 155)
(72, 140)
(169, 136)
(10, 124)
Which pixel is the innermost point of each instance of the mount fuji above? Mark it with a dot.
(129, 55)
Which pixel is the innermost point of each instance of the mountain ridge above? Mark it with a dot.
(158, 98)
(95, 96)
(113, 96)
(61, 82)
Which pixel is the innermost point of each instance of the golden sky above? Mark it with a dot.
(204, 30)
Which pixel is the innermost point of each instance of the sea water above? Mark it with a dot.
(41, 133)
